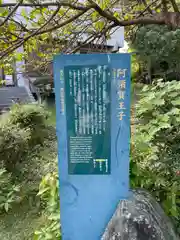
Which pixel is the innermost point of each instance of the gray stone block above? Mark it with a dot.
(139, 218)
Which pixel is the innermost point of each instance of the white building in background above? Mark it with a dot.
(125, 48)
(117, 38)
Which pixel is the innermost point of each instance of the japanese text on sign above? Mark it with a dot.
(120, 76)
(87, 94)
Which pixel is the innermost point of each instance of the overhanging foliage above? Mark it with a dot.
(158, 43)
(41, 20)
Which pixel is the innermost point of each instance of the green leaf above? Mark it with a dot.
(174, 94)
(104, 4)
(164, 125)
(174, 111)
(35, 237)
(24, 13)
(6, 207)
(158, 10)
(126, 17)
(158, 102)
(145, 88)
(42, 191)
(116, 15)
(3, 12)
(163, 118)
(99, 25)
(176, 102)
(178, 119)
(19, 56)
(94, 15)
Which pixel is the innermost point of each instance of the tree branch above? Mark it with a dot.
(20, 24)
(103, 13)
(147, 6)
(175, 6)
(159, 21)
(38, 32)
(48, 4)
(48, 21)
(34, 33)
(63, 23)
(11, 13)
(92, 38)
(143, 20)
(110, 19)
(150, 5)
(164, 4)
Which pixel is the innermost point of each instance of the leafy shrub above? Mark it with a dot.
(49, 193)
(155, 150)
(8, 191)
(159, 44)
(13, 145)
(22, 131)
(32, 117)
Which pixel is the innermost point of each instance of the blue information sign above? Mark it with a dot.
(93, 128)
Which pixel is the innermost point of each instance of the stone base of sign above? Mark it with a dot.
(139, 218)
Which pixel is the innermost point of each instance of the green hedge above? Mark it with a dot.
(155, 150)
(22, 131)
